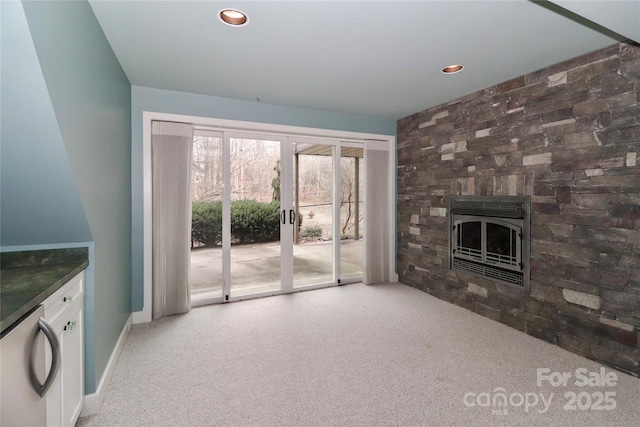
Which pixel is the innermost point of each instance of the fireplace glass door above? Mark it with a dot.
(488, 240)
(502, 245)
(470, 240)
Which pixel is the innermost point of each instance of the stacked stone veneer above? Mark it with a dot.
(568, 136)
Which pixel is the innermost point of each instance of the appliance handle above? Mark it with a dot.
(48, 332)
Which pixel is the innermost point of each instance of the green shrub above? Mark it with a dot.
(251, 222)
(206, 223)
(311, 231)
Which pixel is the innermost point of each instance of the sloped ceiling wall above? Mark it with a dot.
(40, 203)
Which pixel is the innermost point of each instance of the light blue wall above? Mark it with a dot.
(163, 101)
(39, 197)
(91, 97)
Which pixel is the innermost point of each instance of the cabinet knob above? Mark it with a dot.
(70, 325)
(68, 299)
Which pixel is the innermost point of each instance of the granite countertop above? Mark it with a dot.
(27, 278)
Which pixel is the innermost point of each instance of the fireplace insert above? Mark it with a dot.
(490, 237)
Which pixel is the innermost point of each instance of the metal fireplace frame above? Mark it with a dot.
(511, 212)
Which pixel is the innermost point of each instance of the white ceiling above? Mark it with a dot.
(373, 58)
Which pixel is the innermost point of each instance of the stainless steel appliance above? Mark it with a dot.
(22, 369)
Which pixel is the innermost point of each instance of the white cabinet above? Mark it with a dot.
(64, 312)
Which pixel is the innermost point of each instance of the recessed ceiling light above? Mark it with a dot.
(233, 17)
(452, 69)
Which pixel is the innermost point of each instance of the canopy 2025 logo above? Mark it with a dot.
(588, 396)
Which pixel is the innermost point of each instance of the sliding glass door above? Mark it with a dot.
(351, 213)
(315, 199)
(242, 220)
(272, 215)
(206, 216)
(328, 247)
(256, 218)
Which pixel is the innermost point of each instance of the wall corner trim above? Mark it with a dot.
(93, 401)
(140, 317)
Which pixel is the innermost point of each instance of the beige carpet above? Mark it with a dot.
(353, 355)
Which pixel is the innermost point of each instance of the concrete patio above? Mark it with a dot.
(255, 267)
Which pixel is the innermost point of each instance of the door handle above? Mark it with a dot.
(48, 332)
(292, 217)
(284, 216)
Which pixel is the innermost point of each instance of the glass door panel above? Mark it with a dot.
(313, 251)
(351, 213)
(254, 183)
(206, 225)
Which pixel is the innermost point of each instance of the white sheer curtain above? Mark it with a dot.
(377, 237)
(171, 148)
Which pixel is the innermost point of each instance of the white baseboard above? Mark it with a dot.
(93, 401)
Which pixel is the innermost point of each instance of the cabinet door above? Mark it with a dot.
(64, 310)
(20, 404)
(72, 366)
(54, 395)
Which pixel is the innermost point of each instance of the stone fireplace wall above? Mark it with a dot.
(568, 136)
